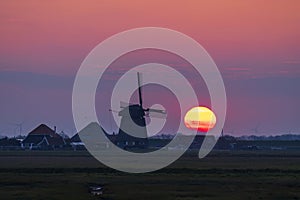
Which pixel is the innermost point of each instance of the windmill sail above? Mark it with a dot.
(156, 115)
(157, 111)
(124, 104)
(140, 89)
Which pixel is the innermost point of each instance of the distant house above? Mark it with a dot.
(43, 138)
(198, 141)
(76, 143)
(10, 144)
(226, 143)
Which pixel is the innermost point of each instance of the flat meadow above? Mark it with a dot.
(221, 175)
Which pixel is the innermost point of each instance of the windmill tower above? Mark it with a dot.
(255, 130)
(133, 121)
(18, 128)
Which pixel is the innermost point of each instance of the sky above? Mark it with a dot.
(255, 45)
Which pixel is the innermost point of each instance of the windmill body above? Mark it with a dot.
(132, 116)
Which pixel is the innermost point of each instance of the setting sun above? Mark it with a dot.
(200, 118)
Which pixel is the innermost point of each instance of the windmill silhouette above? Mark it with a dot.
(255, 130)
(18, 128)
(133, 122)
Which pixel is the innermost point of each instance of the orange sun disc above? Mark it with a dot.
(200, 118)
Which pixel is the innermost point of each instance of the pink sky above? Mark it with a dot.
(53, 36)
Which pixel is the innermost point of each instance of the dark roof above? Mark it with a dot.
(33, 139)
(43, 130)
(75, 138)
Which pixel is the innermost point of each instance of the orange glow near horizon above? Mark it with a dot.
(200, 118)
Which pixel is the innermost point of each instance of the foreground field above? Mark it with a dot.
(222, 175)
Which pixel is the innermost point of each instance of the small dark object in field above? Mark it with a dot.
(96, 190)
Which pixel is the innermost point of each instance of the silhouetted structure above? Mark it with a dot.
(10, 144)
(130, 114)
(76, 143)
(43, 138)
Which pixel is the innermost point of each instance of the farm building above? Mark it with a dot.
(77, 144)
(43, 138)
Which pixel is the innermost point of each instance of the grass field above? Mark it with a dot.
(221, 175)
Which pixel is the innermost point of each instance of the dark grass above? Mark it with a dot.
(222, 175)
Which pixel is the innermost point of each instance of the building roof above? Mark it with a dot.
(43, 130)
(33, 139)
(75, 138)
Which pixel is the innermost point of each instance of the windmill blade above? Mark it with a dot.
(124, 104)
(156, 115)
(139, 76)
(157, 111)
(256, 128)
(111, 110)
(18, 126)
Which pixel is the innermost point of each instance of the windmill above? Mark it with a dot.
(18, 127)
(255, 130)
(132, 131)
(1, 132)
